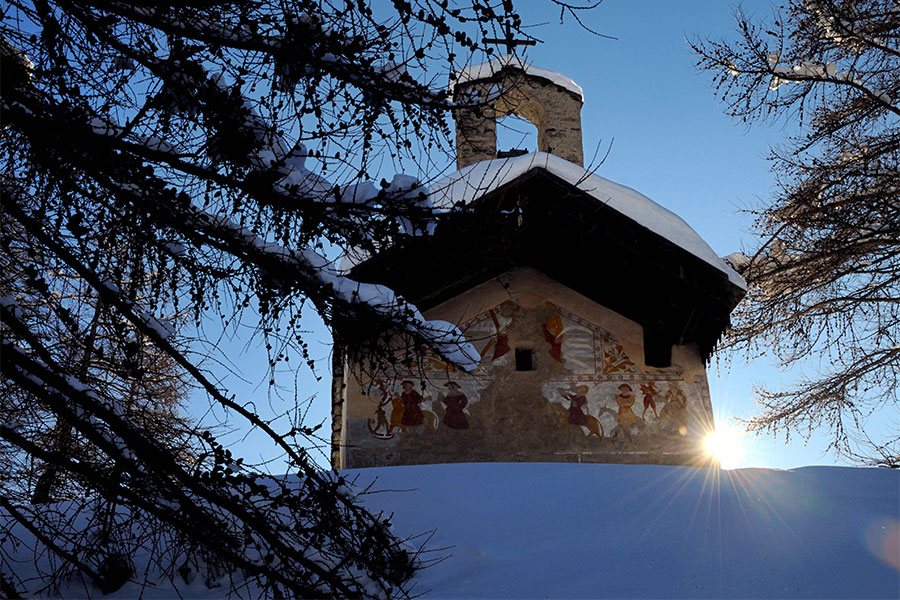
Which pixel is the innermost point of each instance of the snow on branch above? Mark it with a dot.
(279, 261)
(814, 71)
(304, 264)
(847, 29)
(228, 513)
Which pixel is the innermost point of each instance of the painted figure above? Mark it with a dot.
(627, 418)
(501, 346)
(455, 401)
(650, 394)
(501, 317)
(575, 415)
(431, 420)
(379, 426)
(553, 333)
(577, 401)
(410, 400)
(674, 413)
(396, 415)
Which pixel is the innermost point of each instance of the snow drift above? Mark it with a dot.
(621, 531)
(626, 531)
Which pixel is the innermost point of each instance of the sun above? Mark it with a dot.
(726, 444)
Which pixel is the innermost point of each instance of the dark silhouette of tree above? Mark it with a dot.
(94, 344)
(166, 162)
(825, 279)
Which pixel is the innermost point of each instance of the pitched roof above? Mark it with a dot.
(603, 240)
(479, 179)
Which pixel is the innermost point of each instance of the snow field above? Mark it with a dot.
(640, 531)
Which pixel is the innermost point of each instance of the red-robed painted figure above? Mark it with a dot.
(410, 399)
(455, 401)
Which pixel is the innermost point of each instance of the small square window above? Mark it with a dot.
(524, 359)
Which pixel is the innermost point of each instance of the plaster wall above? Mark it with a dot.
(588, 397)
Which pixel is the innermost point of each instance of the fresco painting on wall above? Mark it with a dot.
(411, 409)
(598, 388)
(406, 411)
(452, 397)
(593, 387)
(410, 400)
(379, 426)
(615, 359)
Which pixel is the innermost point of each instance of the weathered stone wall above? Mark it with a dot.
(571, 407)
(554, 110)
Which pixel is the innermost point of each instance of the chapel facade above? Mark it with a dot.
(594, 309)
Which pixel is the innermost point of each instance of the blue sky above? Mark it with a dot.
(670, 140)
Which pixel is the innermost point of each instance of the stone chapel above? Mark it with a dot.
(594, 309)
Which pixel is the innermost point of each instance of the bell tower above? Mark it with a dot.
(508, 86)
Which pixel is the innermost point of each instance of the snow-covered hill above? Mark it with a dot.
(623, 531)
(615, 531)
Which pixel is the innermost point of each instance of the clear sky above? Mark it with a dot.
(670, 141)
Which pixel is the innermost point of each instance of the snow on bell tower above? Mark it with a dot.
(509, 86)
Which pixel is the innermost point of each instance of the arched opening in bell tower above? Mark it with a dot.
(516, 135)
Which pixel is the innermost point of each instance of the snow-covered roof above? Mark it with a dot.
(491, 68)
(474, 181)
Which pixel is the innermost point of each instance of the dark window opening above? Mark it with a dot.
(524, 359)
(657, 350)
